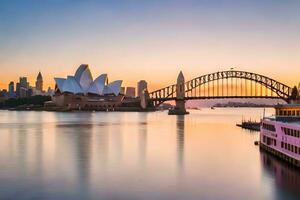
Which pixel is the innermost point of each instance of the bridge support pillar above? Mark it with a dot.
(180, 97)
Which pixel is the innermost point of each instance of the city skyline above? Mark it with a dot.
(150, 99)
(132, 41)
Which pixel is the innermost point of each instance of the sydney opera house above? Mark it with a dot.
(81, 92)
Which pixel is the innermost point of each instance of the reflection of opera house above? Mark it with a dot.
(81, 92)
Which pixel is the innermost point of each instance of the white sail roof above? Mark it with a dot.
(84, 77)
(60, 82)
(82, 83)
(113, 87)
(98, 85)
(71, 85)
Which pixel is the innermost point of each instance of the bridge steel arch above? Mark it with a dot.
(193, 88)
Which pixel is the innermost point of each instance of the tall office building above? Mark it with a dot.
(23, 92)
(11, 89)
(22, 87)
(39, 82)
(17, 89)
(23, 82)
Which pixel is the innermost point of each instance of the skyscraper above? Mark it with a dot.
(11, 89)
(39, 82)
(23, 82)
(18, 89)
(22, 87)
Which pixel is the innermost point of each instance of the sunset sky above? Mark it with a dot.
(151, 40)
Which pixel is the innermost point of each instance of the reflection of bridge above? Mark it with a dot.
(219, 85)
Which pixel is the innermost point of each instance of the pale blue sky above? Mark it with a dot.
(150, 40)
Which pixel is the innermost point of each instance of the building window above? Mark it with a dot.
(282, 145)
(264, 139)
(269, 127)
(291, 132)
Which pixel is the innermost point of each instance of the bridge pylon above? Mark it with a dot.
(180, 97)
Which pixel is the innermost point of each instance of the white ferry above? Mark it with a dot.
(280, 135)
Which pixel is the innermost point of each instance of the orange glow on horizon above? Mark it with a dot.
(153, 84)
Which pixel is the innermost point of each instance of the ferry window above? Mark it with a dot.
(269, 127)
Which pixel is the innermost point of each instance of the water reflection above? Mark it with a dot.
(180, 141)
(137, 156)
(286, 177)
(78, 134)
(142, 138)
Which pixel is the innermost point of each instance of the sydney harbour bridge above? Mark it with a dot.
(222, 85)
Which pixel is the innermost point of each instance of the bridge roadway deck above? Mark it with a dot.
(216, 97)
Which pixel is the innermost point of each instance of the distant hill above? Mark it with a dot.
(234, 103)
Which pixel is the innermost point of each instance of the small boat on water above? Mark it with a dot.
(250, 125)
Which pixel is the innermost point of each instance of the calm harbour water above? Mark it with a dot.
(115, 155)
